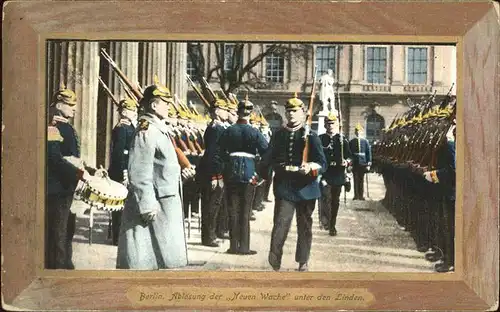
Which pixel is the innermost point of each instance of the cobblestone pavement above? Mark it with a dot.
(368, 240)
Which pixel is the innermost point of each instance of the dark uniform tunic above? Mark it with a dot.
(361, 156)
(334, 177)
(293, 191)
(121, 138)
(210, 168)
(62, 181)
(239, 144)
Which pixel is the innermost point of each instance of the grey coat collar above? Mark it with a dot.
(155, 121)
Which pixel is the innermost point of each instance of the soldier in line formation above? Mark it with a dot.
(416, 158)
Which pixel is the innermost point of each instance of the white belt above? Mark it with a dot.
(359, 153)
(242, 154)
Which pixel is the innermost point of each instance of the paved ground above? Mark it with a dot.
(369, 240)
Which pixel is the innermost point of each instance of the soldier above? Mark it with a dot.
(121, 137)
(445, 176)
(152, 231)
(223, 218)
(63, 173)
(209, 175)
(361, 161)
(338, 154)
(191, 196)
(239, 144)
(296, 186)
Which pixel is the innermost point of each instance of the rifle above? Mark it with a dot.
(198, 92)
(138, 94)
(108, 92)
(305, 154)
(209, 89)
(127, 90)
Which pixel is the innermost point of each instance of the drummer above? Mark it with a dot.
(62, 179)
(121, 138)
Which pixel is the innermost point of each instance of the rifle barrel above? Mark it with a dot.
(108, 92)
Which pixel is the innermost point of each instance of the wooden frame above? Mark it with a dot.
(473, 26)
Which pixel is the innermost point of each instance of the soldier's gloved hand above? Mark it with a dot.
(427, 176)
(125, 178)
(149, 217)
(220, 183)
(214, 183)
(349, 169)
(305, 169)
(187, 173)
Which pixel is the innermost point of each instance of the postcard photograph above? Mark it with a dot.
(250, 156)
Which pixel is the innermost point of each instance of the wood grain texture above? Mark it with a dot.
(110, 293)
(27, 24)
(19, 155)
(481, 118)
(251, 18)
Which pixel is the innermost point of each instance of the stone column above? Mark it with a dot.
(152, 61)
(357, 64)
(344, 59)
(126, 56)
(176, 69)
(76, 64)
(398, 65)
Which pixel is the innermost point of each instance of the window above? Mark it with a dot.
(275, 68)
(374, 125)
(417, 66)
(228, 56)
(376, 65)
(326, 58)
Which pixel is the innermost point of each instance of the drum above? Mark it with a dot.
(101, 192)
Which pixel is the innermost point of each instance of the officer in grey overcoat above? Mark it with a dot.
(152, 230)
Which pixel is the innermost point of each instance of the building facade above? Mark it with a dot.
(373, 82)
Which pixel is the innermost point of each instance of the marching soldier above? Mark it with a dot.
(121, 137)
(209, 175)
(361, 161)
(239, 144)
(338, 154)
(296, 186)
(152, 232)
(64, 169)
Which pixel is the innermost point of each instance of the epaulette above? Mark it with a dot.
(53, 134)
(143, 124)
(60, 118)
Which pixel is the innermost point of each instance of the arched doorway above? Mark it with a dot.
(374, 125)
